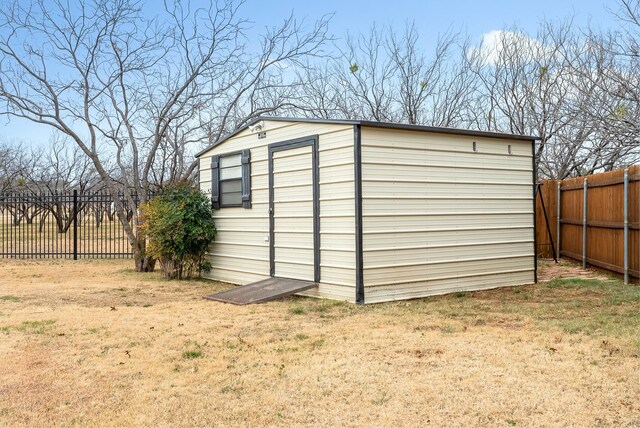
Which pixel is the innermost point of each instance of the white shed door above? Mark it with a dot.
(293, 214)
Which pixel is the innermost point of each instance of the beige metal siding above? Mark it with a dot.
(439, 217)
(337, 217)
(240, 254)
(476, 282)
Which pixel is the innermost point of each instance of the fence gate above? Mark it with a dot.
(61, 226)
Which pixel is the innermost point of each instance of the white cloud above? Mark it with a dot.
(495, 41)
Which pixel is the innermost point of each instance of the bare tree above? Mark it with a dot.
(619, 88)
(367, 71)
(61, 167)
(551, 85)
(453, 104)
(137, 95)
(384, 75)
(56, 172)
(419, 80)
(14, 165)
(323, 95)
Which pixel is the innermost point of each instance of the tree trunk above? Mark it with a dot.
(30, 216)
(43, 219)
(143, 261)
(98, 216)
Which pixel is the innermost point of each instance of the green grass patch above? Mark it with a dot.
(601, 308)
(35, 327)
(595, 307)
(10, 298)
(231, 345)
(192, 354)
(383, 399)
(317, 344)
(448, 329)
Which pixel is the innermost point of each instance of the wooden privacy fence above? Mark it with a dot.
(593, 219)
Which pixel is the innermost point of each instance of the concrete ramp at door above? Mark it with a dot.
(262, 291)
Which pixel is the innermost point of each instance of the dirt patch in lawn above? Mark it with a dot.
(550, 270)
(93, 343)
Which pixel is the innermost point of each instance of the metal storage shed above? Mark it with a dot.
(371, 211)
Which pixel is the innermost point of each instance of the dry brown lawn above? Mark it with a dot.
(92, 343)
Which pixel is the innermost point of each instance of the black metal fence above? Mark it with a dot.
(62, 226)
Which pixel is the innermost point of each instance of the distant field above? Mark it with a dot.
(93, 343)
(109, 237)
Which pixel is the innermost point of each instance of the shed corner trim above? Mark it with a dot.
(357, 178)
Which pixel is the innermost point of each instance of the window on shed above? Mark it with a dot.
(231, 180)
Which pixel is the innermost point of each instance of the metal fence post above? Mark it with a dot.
(584, 223)
(626, 226)
(559, 219)
(75, 225)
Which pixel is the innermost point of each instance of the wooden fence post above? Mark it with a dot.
(584, 223)
(626, 226)
(559, 218)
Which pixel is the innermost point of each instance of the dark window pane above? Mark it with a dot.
(231, 186)
(227, 199)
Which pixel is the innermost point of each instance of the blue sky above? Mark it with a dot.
(432, 18)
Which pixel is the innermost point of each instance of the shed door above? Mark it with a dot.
(293, 210)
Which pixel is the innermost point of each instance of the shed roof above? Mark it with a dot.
(373, 124)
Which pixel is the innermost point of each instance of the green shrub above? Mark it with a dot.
(179, 226)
